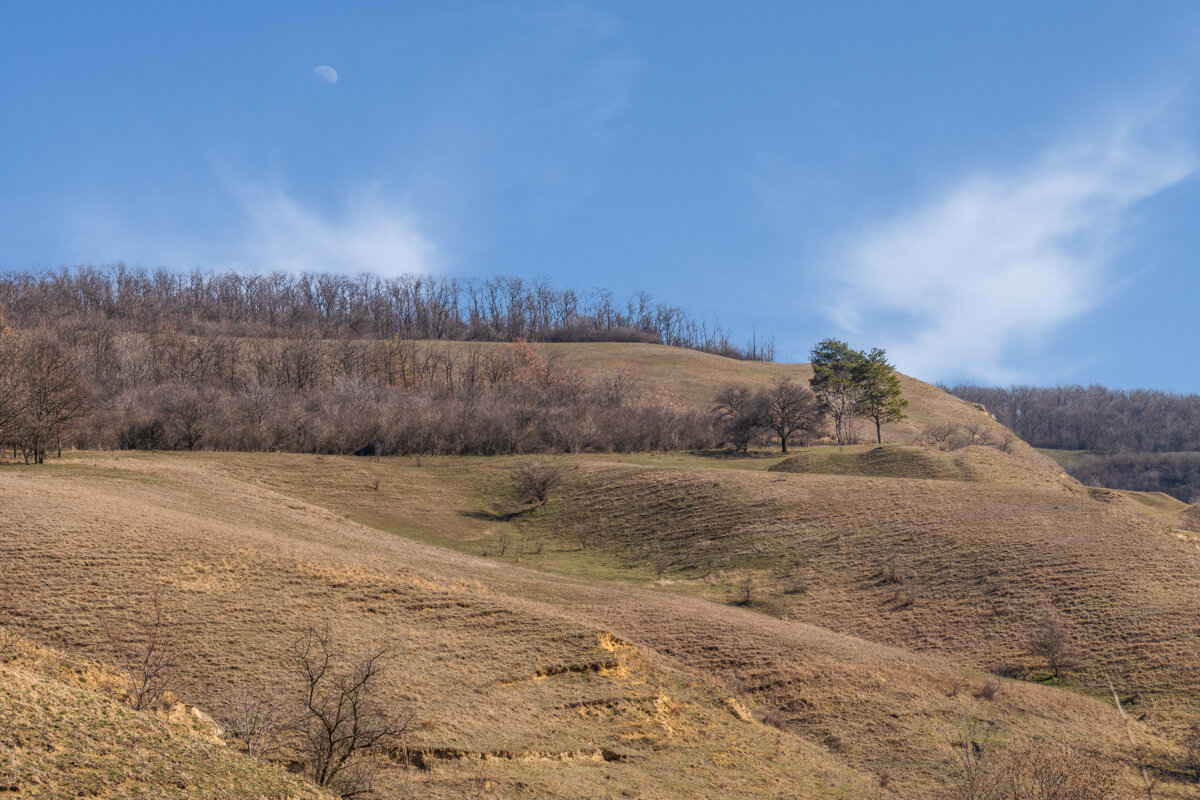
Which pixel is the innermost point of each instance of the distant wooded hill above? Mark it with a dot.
(328, 305)
(1144, 440)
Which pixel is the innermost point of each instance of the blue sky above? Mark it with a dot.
(993, 194)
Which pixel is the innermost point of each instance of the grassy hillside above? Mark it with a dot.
(62, 735)
(535, 685)
(692, 378)
(668, 625)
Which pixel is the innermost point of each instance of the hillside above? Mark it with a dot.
(668, 624)
(693, 378)
(62, 735)
(534, 685)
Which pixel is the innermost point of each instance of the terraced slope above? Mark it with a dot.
(960, 569)
(509, 694)
(528, 684)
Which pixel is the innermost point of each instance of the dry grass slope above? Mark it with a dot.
(532, 685)
(885, 461)
(63, 736)
(884, 584)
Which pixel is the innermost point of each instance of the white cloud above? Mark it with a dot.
(262, 226)
(327, 74)
(373, 235)
(998, 261)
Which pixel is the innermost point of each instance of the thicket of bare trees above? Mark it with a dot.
(1148, 435)
(332, 306)
(1028, 770)
(1177, 474)
(43, 392)
(163, 390)
(1093, 417)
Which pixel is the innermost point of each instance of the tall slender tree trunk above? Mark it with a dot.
(878, 431)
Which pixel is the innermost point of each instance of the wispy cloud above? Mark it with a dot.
(263, 226)
(371, 234)
(957, 284)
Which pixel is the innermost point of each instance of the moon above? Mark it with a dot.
(327, 74)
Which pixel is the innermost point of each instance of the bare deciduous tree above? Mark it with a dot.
(1028, 770)
(532, 481)
(972, 774)
(789, 409)
(257, 721)
(1049, 770)
(12, 628)
(1050, 640)
(939, 433)
(344, 722)
(146, 649)
(744, 590)
(741, 413)
(51, 393)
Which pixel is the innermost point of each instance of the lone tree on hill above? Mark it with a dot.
(837, 381)
(344, 721)
(849, 383)
(1051, 640)
(533, 481)
(790, 409)
(881, 401)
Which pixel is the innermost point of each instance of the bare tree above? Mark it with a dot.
(789, 409)
(10, 344)
(12, 629)
(742, 415)
(51, 393)
(147, 651)
(972, 773)
(744, 590)
(1028, 770)
(532, 481)
(939, 433)
(344, 722)
(1051, 640)
(617, 387)
(660, 559)
(1049, 770)
(257, 721)
(1191, 749)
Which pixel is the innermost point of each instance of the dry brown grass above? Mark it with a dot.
(62, 735)
(530, 684)
(536, 702)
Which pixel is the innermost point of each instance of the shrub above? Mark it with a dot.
(532, 481)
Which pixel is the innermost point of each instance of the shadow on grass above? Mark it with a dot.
(731, 455)
(488, 516)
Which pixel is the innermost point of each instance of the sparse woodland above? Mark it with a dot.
(119, 299)
(124, 359)
(1143, 440)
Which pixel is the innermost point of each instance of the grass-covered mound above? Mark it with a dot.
(883, 461)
